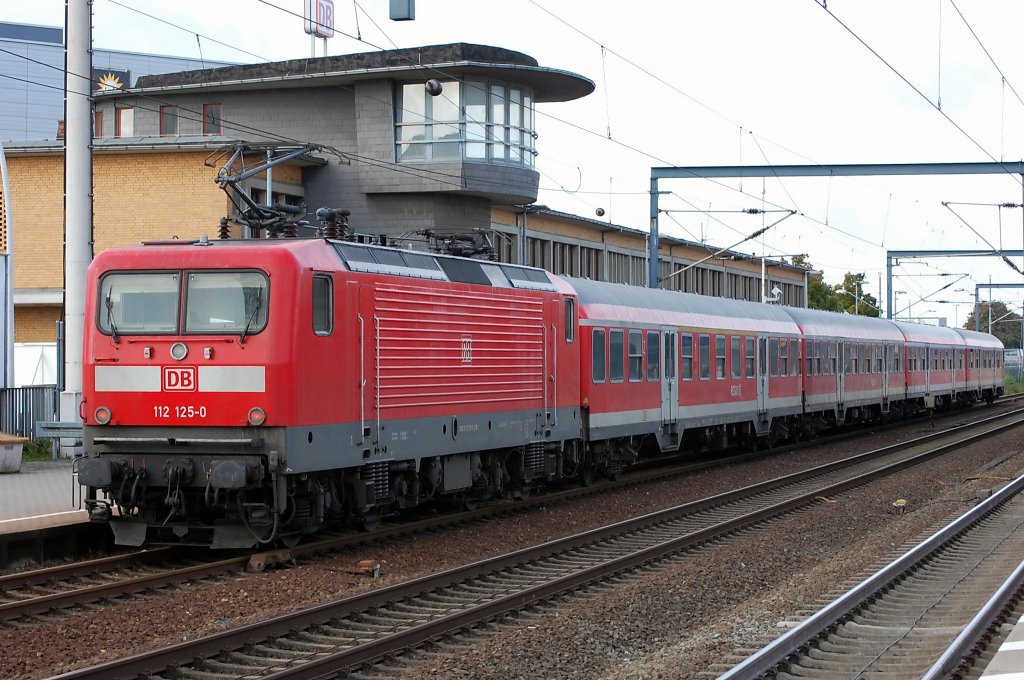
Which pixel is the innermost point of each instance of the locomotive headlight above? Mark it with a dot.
(257, 416)
(179, 351)
(101, 415)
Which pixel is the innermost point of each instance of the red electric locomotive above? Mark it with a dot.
(240, 392)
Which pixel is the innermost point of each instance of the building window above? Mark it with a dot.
(124, 121)
(616, 348)
(597, 356)
(211, 119)
(474, 120)
(97, 131)
(168, 121)
(323, 305)
(636, 356)
(687, 357)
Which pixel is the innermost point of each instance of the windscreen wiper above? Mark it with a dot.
(252, 317)
(110, 318)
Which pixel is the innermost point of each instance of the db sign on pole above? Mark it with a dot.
(319, 16)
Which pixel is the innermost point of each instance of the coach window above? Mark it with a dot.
(720, 357)
(616, 348)
(653, 355)
(597, 356)
(737, 364)
(817, 358)
(783, 358)
(748, 358)
(636, 356)
(794, 357)
(705, 357)
(773, 356)
(687, 357)
(323, 305)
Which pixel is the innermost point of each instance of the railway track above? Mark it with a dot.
(336, 637)
(29, 596)
(904, 621)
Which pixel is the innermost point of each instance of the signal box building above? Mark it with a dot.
(438, 138)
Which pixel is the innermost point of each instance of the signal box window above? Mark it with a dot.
(168, 121)
(97, 130)
(737, 365)
(124, 121)
(705, 357)
(636, 356)
(653, 355)
(211, 119)
(616, 352)
(597, 365)
(748, 358)
(323, 305)
(687, 357)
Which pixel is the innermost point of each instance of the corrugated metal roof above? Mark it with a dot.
(615, 302)
(834, 324)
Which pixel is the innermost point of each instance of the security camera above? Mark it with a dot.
(433, 87)
(600, 212)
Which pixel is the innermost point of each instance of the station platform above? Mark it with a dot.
(1008, 663)
(42, 494)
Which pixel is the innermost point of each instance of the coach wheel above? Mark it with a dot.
(586, 475)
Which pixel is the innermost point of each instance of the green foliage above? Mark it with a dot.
(1005, 324)
(1014, 385)
(848, 296)
(37, 450)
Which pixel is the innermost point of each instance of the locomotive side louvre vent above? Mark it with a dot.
(465, 271)
(534, 279)
(388, 261)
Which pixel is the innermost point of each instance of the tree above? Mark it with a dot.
(1005, 324)
(819, 294)
(853, 299)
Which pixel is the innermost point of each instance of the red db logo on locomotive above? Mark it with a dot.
(179, 379)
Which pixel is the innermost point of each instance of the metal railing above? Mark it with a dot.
(21, 407)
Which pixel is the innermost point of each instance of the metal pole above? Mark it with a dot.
(77, 196)
(888, 285)
(652, 244)
(9, 275)
(977, 309)
(856, 300)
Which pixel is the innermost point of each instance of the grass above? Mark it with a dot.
(36, 450)
(1014, 385)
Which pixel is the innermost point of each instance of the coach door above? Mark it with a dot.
(841, 361)
(887, 351)
(669, 381)
(762, 375)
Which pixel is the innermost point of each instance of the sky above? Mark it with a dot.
(716, 82)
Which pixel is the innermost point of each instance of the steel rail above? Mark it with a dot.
(770, 658)
(183, 653)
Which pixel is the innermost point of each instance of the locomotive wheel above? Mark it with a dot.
(369, 519)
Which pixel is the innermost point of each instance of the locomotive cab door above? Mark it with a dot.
(669, 382)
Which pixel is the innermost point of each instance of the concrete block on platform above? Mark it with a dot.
(10, 452)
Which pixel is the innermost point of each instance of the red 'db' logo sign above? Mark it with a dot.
(179, 379)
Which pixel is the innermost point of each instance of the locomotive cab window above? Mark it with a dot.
(226, 302)
(139, 304)
(570, 319)
(323, 305)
